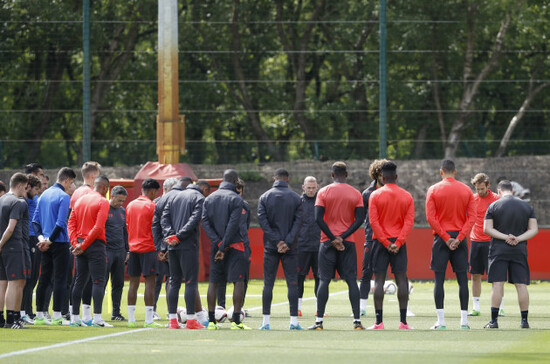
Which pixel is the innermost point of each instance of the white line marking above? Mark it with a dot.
(60, 345)
(305, 299)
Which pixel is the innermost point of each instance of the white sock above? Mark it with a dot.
(40, 315)
(71, 308)
(265, 320)
(363, 304)
(56, 315)
(132, 313)
(299, 303)
(173, 316)
(86, 312)
(476, 303)
(318, 319)
(464, 317)
(22, 313)
(502, 303)
(97, 317)
(201, 316)
(408, 308)
(441, 316)
(75, 318)
(191, 316)
(149, 314)
(294, 320)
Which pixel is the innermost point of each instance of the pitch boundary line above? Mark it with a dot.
(59, 345)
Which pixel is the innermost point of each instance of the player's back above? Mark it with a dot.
(451, 199)
(139, 219)
(340, 201)
(510, 215)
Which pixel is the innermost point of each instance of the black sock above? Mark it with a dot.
(494, 314)
(236, 317)
(17, 315)
(403, 315)
(10, 317)
(524, 315)
(2, 320)
(212, 317)
(378, 317)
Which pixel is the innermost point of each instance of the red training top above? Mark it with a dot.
(139, 219)
(391, 214)
(78, 193)
(87, 220)
(450, 207)
(339, 201)
(481, 205)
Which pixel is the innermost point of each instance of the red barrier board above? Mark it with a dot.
(419, 251)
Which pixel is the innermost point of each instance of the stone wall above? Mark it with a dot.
(415, 176)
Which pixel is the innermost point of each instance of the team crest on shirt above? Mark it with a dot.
(243, 212)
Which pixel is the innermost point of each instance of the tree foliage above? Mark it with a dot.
(278, 80)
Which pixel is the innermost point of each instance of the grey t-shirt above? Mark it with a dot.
(12, 207)
(510, 215)
(116, 232)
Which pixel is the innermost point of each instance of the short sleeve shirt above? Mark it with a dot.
(12, 207)
(510, 215)
(339, 201)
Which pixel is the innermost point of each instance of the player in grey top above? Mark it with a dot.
(116, 235)
(510, 222)
(14, 228)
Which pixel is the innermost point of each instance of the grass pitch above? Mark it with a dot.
(338, 343)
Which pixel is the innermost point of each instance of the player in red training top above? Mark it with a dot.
(339, 212)
(90, 171)
(479, 248)
(391, 215)
(87, 236)
(143, 256)
(450, 212)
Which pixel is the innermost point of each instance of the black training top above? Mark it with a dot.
(366, 195)
(510, 215)
(116, 233)
(12, 207)
(309, 239)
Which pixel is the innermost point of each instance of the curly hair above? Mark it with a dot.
(376, 168)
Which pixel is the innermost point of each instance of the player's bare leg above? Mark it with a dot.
(523, 300)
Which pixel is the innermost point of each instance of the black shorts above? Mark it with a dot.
(233, 267)
(332, 260)
(143, 264)
(184, 263)
(479, 257)
(441, 255)
(12, 265)
(382, 258)
(307, 261)
(511, 266)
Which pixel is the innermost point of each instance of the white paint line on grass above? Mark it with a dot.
(67, 343)
(303, 300)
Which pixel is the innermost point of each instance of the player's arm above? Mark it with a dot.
(488, 228)
(167, 230)
(61, 222)
(208, 226)
(72, 229)
(320, 219)
(264, 222)
(125, 236)
(408, 224)
(99, 225)
(193, 221)
(8, 232)
(532, 230)
(157, 227)
(432, 218)
(296, 224)
(471, 214)
(374, 218)
(359, 217)
(232, 225)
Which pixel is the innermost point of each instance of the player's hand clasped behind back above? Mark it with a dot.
(338, 244)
